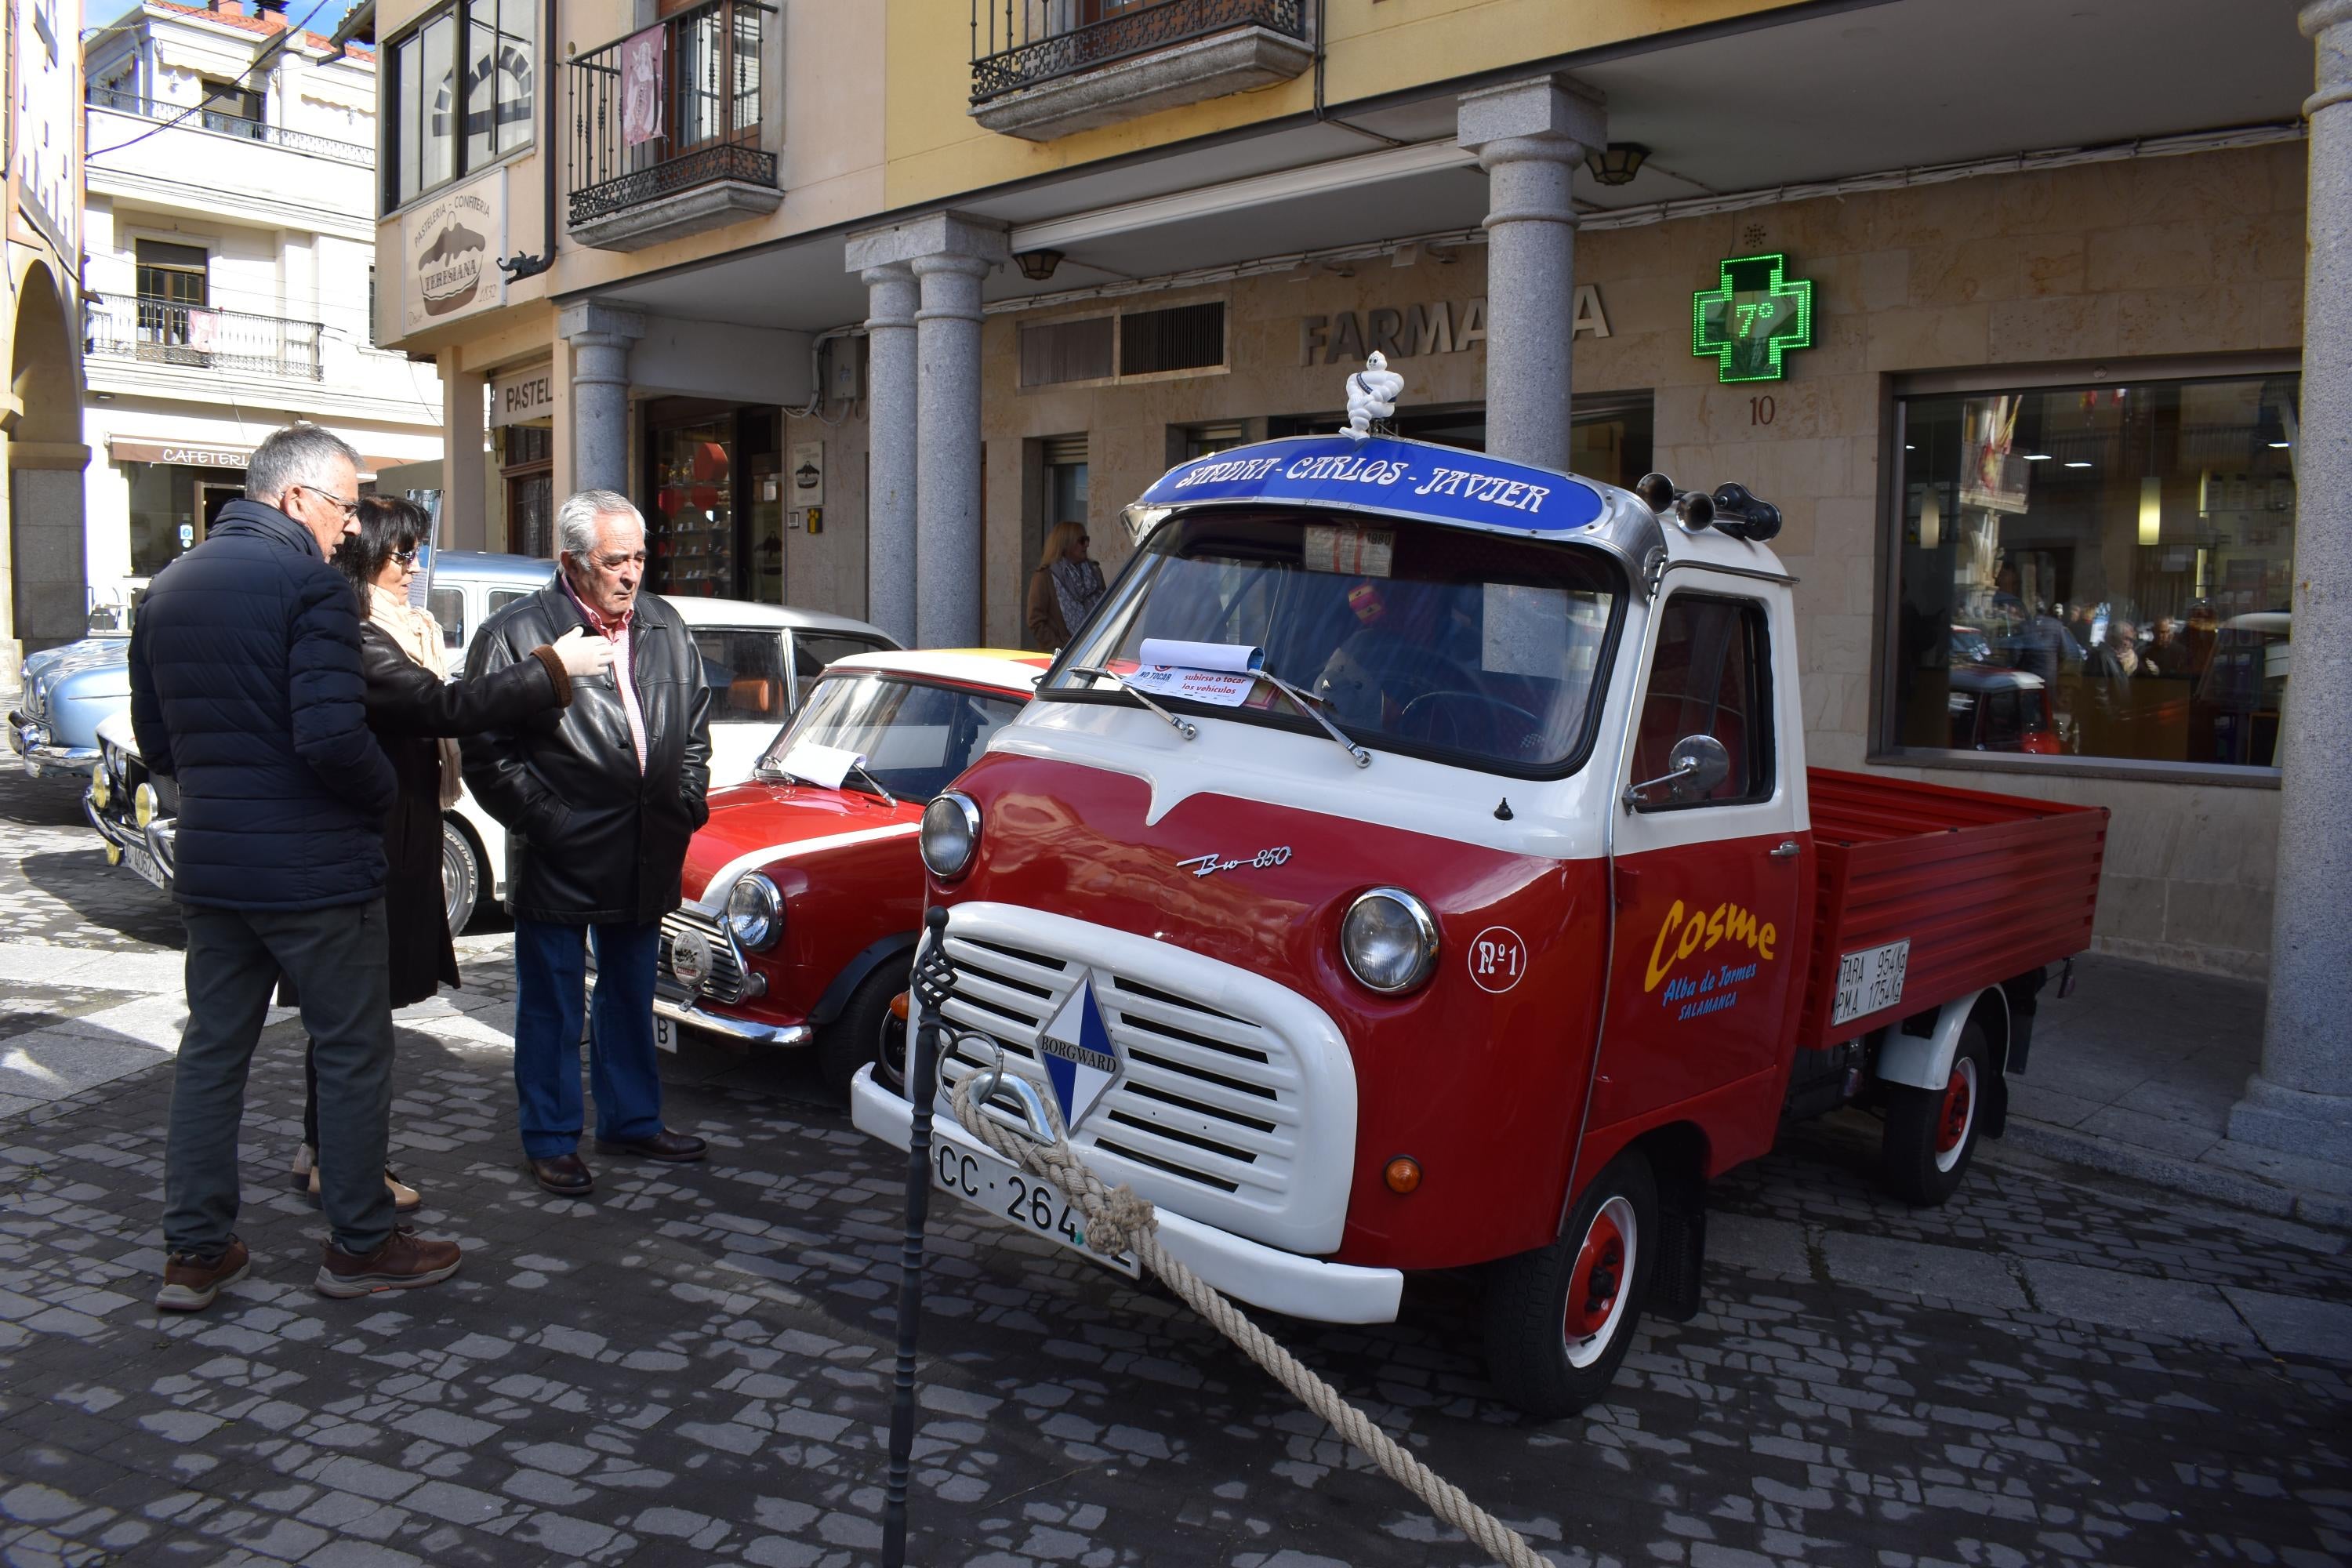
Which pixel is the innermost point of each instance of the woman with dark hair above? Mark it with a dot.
(415, 713)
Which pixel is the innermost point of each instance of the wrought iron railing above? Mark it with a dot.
(165, 331)
(1020, 43)
(221, 122)
(697, 121)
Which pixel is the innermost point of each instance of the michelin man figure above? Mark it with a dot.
(1371, 394)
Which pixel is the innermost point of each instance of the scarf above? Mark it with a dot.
(418, 636)
(1078, 584)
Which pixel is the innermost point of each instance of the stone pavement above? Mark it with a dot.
(694, 1366)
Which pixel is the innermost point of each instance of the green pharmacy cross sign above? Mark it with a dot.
(1755, 317)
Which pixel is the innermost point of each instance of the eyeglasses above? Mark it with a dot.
(405, 557)
(349, 508)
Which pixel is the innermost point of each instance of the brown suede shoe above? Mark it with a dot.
(190, 1282)
(670, 1148)
(403, 1262)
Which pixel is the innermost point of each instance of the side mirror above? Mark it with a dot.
(1696, 765)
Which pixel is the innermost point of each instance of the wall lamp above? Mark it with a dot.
(1617, 163)
(1038, 265)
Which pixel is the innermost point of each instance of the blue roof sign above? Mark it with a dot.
(1405, 478)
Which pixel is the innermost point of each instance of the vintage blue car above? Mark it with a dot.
(68, 691)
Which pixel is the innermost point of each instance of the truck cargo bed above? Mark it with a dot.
(1983, 886)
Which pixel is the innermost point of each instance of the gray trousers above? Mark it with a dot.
(338, 961)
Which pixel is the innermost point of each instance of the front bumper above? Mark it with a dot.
(42, 755)
(1247, 1271)
(744, 1031)
(159, 841)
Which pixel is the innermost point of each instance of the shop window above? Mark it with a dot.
(1708, 677)
(691, 547)
(2096, 572)
(457, 107)
(527, 468)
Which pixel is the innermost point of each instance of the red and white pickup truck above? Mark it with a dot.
(1412, 864)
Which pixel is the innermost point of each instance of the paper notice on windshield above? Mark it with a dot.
(1350, 550)
(1217, 688)
(824, 766)
(1227, 656)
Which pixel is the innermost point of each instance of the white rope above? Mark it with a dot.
(1119, 1221)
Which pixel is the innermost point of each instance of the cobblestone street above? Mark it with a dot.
(694, 1366)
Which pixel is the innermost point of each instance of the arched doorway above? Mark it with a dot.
(47, 601)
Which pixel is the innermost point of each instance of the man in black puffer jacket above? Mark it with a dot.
(245, 689)
(598, 800)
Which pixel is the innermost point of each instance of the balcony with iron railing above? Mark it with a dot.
(666, 129)
(151, 330)
(1042, 69)
(221, 122)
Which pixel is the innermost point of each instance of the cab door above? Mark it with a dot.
(1709, 872)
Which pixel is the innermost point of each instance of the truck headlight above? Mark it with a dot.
(1389, 940)
(144, 804)
(755, 912)
(951, 833)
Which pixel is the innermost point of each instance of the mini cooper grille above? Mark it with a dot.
(1203, 1095)
(725, 983)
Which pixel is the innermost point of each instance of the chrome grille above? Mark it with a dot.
(726, 982)
(1203, 1097)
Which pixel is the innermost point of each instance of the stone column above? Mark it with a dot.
(947, 255)
(600, 337)
(2299, 1101)
(1529, 137)
(465, 468)
(891, 293)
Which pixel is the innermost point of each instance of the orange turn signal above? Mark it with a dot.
(1403, 1173)
(899, 1006)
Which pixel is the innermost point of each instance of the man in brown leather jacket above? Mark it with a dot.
(598, 800)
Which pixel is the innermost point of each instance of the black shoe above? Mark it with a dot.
(670, 1148)
(565, 1175)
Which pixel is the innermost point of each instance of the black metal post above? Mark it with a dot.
(933, 977)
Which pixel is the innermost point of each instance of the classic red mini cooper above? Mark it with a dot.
(804, 893)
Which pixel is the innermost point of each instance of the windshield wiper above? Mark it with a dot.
(1184, 727)
(863, 772)
(768, 770)
(1311, 707)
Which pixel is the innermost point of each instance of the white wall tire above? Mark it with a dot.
(1560, 1319)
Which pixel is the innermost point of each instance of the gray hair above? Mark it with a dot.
(298, 454)
(575, 519)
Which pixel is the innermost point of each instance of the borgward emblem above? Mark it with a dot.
(1074, 1048)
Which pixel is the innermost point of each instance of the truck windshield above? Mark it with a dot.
(915, 736)
(1465, 646)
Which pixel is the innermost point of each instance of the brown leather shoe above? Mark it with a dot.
(670, 1148)
(404, 1261)
(565, 1175)
(190, 1282)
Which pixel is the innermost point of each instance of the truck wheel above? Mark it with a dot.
(1558, 1319)
(1931, 1133)
(461, 880)
(855, 1038)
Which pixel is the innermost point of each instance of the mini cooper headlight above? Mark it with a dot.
(144, 805)
(1389, 940)
(755, 912)
(951, 833)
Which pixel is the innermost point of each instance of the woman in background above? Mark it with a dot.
(415, 713)
(1064, 589)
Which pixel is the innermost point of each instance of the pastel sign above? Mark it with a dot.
(1380, 475)
(1712, 987)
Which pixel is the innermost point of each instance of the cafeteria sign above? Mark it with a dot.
(1754, 316)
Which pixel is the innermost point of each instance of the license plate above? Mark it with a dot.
(1013, 1195)
(664, 1033)
(1870, 981)
(139, 860)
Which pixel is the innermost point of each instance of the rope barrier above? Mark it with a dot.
(1119, 1221)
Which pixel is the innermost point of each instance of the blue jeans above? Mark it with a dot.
(550, 983)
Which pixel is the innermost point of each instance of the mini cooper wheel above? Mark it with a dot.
(461, 877)
(856, 1037)
(1560, 1319)
(1932, 1132)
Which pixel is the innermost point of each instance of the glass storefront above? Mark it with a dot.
(172, 505)
(715, 524)
(2097, 572)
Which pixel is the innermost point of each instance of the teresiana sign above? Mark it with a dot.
(450, 247)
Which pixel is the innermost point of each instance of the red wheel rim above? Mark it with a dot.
(1598, 1276)
(1952, 1124)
